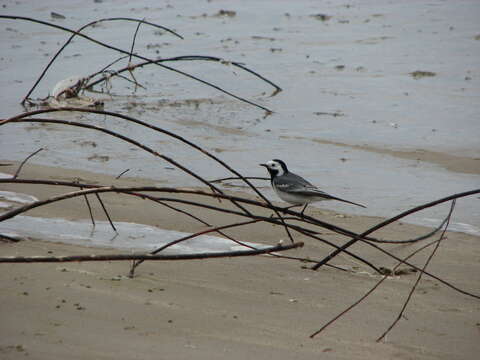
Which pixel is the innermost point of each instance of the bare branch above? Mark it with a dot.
(129, 257)
(369, 292)
(392, 220)
(24, 161)
(419, 277)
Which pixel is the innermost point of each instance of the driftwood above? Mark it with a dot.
(143, 257)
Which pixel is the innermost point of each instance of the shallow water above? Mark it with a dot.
(348, 113)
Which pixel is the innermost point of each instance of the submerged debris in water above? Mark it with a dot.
(69, 87)
(228, 13)
(321, 17)
(55, 15)
(420, 74)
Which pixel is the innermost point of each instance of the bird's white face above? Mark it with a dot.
(275, 167)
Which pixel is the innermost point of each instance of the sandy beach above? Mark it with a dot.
(253, 307)
(379, 105)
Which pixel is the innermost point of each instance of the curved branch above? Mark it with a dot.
(188, 58)
(391, 220)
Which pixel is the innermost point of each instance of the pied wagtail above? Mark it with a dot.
(293, 188)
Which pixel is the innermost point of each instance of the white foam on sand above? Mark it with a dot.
(11, 196)
(130, 236)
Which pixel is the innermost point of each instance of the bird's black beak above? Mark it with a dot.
(265, 165)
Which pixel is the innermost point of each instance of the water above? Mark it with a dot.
(348, 113)
(130, 236)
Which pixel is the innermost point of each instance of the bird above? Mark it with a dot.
(294, 189)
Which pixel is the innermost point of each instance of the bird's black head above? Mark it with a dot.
(276, 167)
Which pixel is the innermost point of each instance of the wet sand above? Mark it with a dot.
(255, 307)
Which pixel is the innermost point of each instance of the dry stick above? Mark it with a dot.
(128, 257)
(131, 52)
(90, 186)
(369, 291)
(136, 264)
(107, 66)
(403, 241)
(169, 133)
(105, 78)
(126, 190)
(190, 57)
(419, 277)
(312, 220)
(266, 219)
(385, 276)
(137, 56)
(191, 236)
(117, 135)
(89, 209)
(223, 61)
(127, 139)
(128, 118)
(368, 263)
(24, 161)
(106, 212)
(237, 178)
(24, 208)
(307, 233)
(305, 219)
(391, 220)
(122, 173)
(74, 33)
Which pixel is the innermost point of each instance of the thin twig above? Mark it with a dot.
(419, 277)
(106, 212)
(75, 33)
(196, 58)
(24, 161)
(268, 111)
(130, 69)
(135, 38)
(133, 191)
(122, 173)
(385, 276)
(89, 209)
(392, 220)
(238, 178)
(191, 236)
(169, 133)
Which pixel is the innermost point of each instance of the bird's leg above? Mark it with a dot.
(301, 213)
(290, 207)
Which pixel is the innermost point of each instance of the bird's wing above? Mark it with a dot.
(301, 186)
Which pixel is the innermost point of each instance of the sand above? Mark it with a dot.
(235, 308)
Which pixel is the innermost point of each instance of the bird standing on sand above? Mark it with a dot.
(293, 188)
